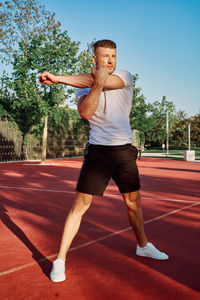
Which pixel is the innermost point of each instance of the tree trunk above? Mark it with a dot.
(22, 152)
(44, 141)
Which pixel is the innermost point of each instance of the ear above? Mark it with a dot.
(94, 59)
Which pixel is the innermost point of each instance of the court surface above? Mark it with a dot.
(101, 264)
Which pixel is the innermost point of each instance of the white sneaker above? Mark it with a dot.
(58, 271)
(151, 251)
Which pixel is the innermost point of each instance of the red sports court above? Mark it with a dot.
(102, 263)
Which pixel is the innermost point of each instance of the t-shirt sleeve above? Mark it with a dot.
(80, 93)
(125, 76)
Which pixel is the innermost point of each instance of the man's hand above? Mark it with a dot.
(100, 75)
(47, 78)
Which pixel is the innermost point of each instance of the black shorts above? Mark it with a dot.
(101, 163)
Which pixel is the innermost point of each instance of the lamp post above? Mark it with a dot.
(44, 141)
(167, 133)
(189, 137)
(189, 155)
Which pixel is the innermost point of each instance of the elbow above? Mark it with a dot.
(84, 116)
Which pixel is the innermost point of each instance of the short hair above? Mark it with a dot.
(104, 44)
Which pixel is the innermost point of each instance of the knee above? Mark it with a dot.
(82, 203)
(133, 203)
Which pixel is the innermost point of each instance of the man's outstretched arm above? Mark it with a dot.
(81, 80)
(78, 81)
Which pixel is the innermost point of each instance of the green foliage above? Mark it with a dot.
(20, 20)
(84, 65)
(179, 134)
(79, 125)
(64, 119)
(59, 55)
(195, 129)
(157, 119)
(21, 103)
(139, 112)
(180, 130)
(24, 99)
(150, 119)
(41, 47)
(56, 53)
(59, 118)
(85, 60)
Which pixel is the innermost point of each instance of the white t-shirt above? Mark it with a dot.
(110, 124)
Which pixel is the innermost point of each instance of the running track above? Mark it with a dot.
(101, 265)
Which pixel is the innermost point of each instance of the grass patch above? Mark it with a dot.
(165, 157)
(178, 152)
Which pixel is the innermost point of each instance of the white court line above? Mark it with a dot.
(143, 197)
(35, 189)
(95, 241)
(73, 192)
(173, 200)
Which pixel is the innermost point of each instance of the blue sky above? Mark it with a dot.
(157, 39)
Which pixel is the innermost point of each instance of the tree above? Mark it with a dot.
(27, 101)
(59, 55)
(157, 119)
(139, 119)
(195, 129)
(179, 130)
(20, 20)
(83, 66)
(21, 102)
(85, 60)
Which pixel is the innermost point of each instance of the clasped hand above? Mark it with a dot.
(100, 75)
(47, 78)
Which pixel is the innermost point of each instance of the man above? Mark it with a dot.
(104, 98)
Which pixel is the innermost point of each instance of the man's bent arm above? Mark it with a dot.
(87, 104)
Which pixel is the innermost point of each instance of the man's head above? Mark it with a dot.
(105, 54)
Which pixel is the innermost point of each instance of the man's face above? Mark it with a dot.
(105, 57)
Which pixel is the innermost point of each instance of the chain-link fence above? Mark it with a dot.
(65, 143)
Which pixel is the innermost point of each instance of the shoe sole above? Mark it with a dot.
(57, 280)
(164, 258)
(54, 280)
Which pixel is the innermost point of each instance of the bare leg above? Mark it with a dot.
(133, 203)
(81, 204)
